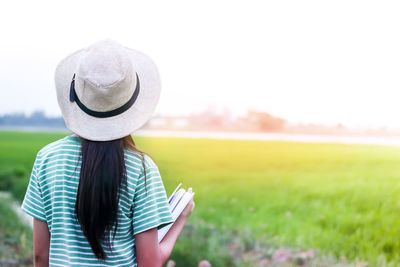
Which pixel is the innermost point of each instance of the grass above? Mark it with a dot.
(339, 199)
(15, 238)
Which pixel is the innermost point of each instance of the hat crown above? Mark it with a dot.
(104, 63)
(104, 78)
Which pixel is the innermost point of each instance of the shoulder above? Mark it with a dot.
(64, 146)
(66, 143)
(139, 159)
(140, 166)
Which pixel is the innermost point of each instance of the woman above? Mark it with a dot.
(96, 199)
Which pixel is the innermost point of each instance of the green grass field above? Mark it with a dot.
(15, 238)
(341, 200)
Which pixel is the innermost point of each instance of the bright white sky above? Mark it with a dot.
(307, 61)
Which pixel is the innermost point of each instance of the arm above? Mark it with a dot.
(147, 249)
(41, 243)
(151, 253)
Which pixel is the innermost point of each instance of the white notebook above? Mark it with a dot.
(177, 203)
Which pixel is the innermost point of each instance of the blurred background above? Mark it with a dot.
(282, 115)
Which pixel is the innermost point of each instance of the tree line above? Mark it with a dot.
(36, 119)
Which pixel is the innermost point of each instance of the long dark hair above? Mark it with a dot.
(102, 176)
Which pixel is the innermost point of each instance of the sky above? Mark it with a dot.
(323, 62)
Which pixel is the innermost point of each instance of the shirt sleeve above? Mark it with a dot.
(33, 201)
(150, 207)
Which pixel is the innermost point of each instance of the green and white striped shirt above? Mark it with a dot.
(51, 196)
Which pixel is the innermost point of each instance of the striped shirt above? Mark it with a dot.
(51, 195)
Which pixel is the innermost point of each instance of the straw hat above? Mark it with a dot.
(106, 91)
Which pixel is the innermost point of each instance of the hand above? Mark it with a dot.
(189, 207)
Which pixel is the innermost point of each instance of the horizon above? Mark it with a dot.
(208, 118)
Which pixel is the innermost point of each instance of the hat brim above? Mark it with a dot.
(111, 128)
